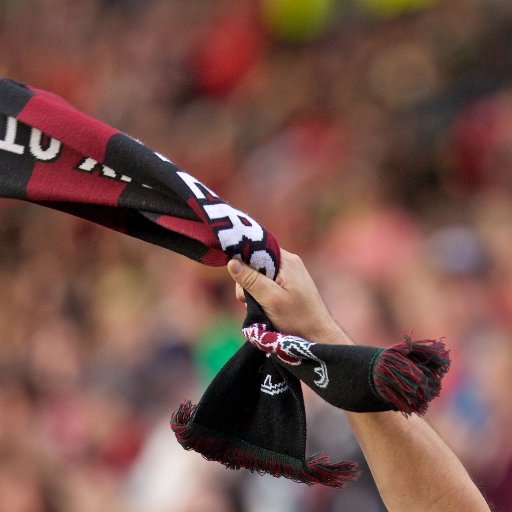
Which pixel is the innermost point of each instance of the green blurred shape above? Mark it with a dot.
(298, 20)
(392, 8)
(217, 344)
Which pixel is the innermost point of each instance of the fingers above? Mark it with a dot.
(239, 292)
(258, 285)
(292, 268)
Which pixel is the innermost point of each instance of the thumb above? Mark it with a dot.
(257, 284)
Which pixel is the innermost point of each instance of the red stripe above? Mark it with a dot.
(190, 228)
(58, 119)
(59, 181)
(192, 202)
(215, 258)
(50, 95)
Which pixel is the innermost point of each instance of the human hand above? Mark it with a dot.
(292, 302)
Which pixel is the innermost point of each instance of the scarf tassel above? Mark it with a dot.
(408, 374)
(236, 453)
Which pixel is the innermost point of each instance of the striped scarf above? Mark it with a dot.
(252, 415)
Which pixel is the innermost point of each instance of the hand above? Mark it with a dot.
(291, 302)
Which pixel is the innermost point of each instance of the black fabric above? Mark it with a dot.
(235, 406)
(14, 96)
(142, 226)
(348, 368)
(252, 415)
(15, 169)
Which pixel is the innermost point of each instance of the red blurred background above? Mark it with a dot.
(374, 138)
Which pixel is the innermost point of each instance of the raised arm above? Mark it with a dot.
(413, 468)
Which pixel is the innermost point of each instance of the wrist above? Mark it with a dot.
(330, 333)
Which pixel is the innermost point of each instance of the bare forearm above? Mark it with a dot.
(413, 468)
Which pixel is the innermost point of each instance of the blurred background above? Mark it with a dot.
(372, 137)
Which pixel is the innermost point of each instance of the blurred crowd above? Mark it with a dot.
(373, 138)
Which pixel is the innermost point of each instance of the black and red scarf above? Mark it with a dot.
(252, 415)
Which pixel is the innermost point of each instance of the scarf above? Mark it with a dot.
(252, 415)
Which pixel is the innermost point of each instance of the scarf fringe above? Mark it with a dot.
(235, 454)
(409, 374)
(336, 474)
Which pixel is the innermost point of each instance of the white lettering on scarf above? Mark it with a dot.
(193, 184)
(89, 164)
(36, 148)
(240, 225)
(8, 143)
(50, 152)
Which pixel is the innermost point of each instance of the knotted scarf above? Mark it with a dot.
(252, 415)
